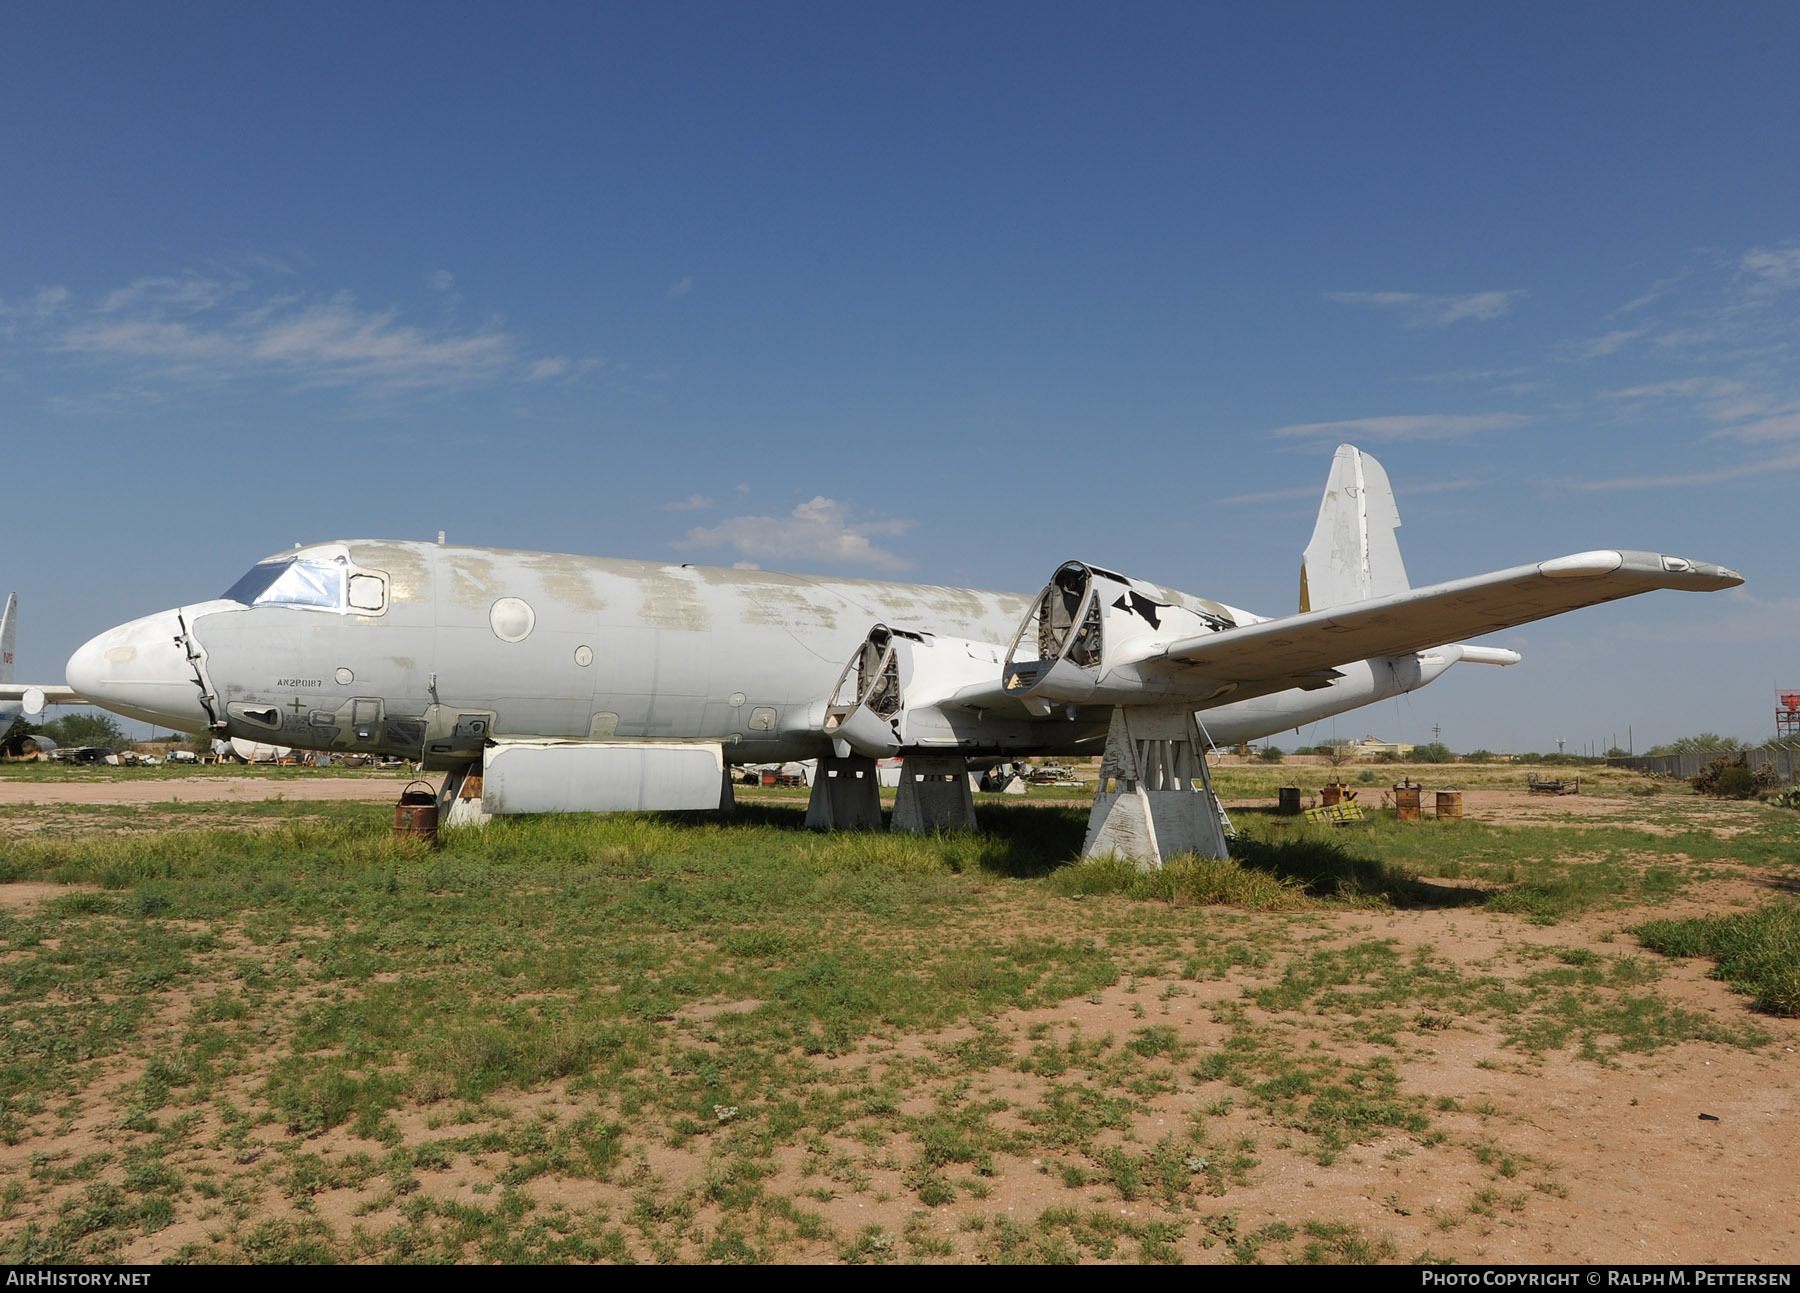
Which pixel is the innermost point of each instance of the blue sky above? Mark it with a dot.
(945, 292)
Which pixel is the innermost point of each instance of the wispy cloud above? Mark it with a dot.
(1610, 343)
(682, 288)
(1735, 471)
(201, 329)
(1433, 311)
(37, 309)
(1472, 375)
(1655, 292)
(1419, 426)
(692, 503)
(1272, 496)
(1771, 269)
(818, 530)
(1782, 425)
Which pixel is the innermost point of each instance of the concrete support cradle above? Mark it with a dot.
(845, 796)
(934, 794)
(1155, 798)
(459, 798)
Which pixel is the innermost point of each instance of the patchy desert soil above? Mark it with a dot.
(1680, 1155)
(247, 788)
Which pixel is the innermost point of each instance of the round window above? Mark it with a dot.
(512, 619)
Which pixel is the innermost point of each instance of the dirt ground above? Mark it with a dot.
(1684, 1155)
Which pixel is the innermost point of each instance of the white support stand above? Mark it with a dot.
(1155, 798)
(459, 799)
(934, 795)
(845, 796)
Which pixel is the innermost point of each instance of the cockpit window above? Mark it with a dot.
(315, 584)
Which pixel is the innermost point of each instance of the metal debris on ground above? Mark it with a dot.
(1547, 787)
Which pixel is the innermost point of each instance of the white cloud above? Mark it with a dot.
(818, 530)
(1656, 292)
(41, 305)
(1736, 471)
(682, 288)
(1274, 495)
(1772, 269)
(1421, 426)
(1433, 311)
(1784, 425)
(1473, 375)
(692, 503)
(192, 328)
(185, 295)
(1598, 347)
(1683, 388)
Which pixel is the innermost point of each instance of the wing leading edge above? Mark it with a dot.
(1297, 646)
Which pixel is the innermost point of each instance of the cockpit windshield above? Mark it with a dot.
(318, 585)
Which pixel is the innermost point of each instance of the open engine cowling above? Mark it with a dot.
(885, 698)
(1090, 627)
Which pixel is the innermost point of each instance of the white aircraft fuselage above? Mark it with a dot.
(431, 652)
(452, 645)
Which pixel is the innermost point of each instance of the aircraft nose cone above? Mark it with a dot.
(141, 670)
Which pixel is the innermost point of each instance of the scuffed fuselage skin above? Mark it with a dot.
(462, 645)
(624, 650)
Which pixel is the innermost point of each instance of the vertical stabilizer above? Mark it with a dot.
(1353, 555)
(9, 631)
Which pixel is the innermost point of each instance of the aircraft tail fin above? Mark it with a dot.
(1353, 555)
(9, 632)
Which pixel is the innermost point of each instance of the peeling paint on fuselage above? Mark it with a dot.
(665, 646)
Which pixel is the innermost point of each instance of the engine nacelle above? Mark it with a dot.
(896, 676)
(1087, 630)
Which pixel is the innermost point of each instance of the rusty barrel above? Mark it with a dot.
(416, 815)
(1406, 801)
(1287, 800)
(1329, 795)
(1449, 803)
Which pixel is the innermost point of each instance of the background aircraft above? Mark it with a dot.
(623, 684)
(25, 699)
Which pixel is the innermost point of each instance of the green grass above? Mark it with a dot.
(1758, 952)
(261, 1017)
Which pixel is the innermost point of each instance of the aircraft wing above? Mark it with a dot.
(1299, 646)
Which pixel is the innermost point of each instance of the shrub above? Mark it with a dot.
(1730, 778)
(1270, 754)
